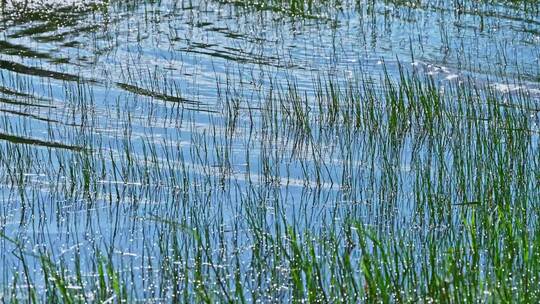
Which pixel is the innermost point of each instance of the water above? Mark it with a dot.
(127, 125)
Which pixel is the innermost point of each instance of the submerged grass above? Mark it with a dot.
(391, 187)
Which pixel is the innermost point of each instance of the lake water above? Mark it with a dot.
(139, 132)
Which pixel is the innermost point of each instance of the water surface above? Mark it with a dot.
(122, 119)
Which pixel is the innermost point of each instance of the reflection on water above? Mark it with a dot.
(25, 6)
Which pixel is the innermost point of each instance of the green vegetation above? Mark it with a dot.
(387, 185)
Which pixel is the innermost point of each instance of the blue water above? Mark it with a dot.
(136, 84)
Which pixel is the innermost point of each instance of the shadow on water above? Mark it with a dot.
(36, 142)
(34, 71)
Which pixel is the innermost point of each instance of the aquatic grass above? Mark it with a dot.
(308, 9)
(397, 187)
